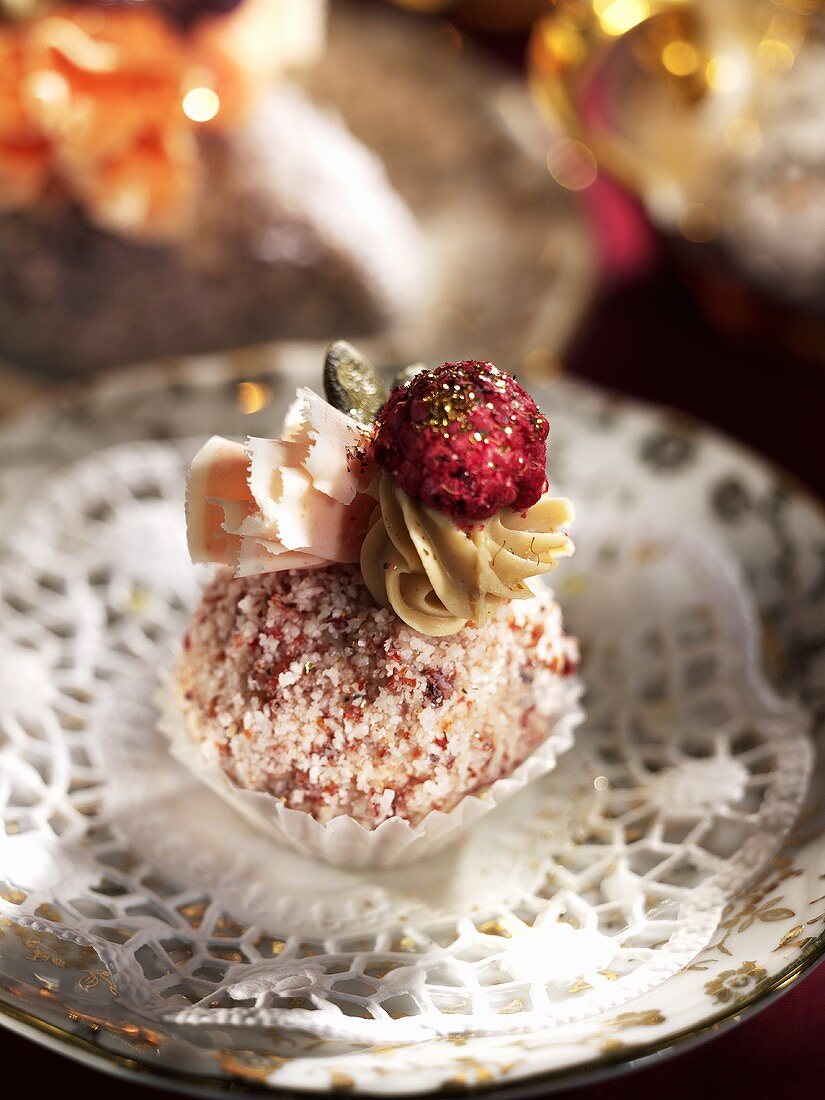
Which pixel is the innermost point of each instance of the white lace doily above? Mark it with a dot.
(586, 889)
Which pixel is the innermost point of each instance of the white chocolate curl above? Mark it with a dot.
(437, 577)
(288, 503)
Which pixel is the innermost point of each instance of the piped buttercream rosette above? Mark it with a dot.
(438, 576)
(297, 502)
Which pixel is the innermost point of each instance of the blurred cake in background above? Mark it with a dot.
(162, 192)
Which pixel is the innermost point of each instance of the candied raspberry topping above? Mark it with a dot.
(464, 439)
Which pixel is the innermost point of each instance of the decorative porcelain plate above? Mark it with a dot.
(665, 877)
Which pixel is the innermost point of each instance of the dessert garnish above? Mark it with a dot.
(291, 503)
(352, 384)
(464, 439)
(443, 500)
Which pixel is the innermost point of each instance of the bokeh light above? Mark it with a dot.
(542, 367)
(201, 104)
(620, 16)
(571, 164)
(774, 55)
(725, 73)
(698, 222)
(251, 397)
(680, 58)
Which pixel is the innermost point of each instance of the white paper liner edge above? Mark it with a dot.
(344, 841)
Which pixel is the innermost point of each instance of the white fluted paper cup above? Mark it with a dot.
(345, 842)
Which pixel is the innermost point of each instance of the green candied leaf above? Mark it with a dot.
(406, 375)
(351, 383)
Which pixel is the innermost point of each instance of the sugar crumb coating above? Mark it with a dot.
(296, 684)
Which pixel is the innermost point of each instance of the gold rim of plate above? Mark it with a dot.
(87, 1052)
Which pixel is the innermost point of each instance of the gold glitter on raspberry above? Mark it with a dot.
(450, 404)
